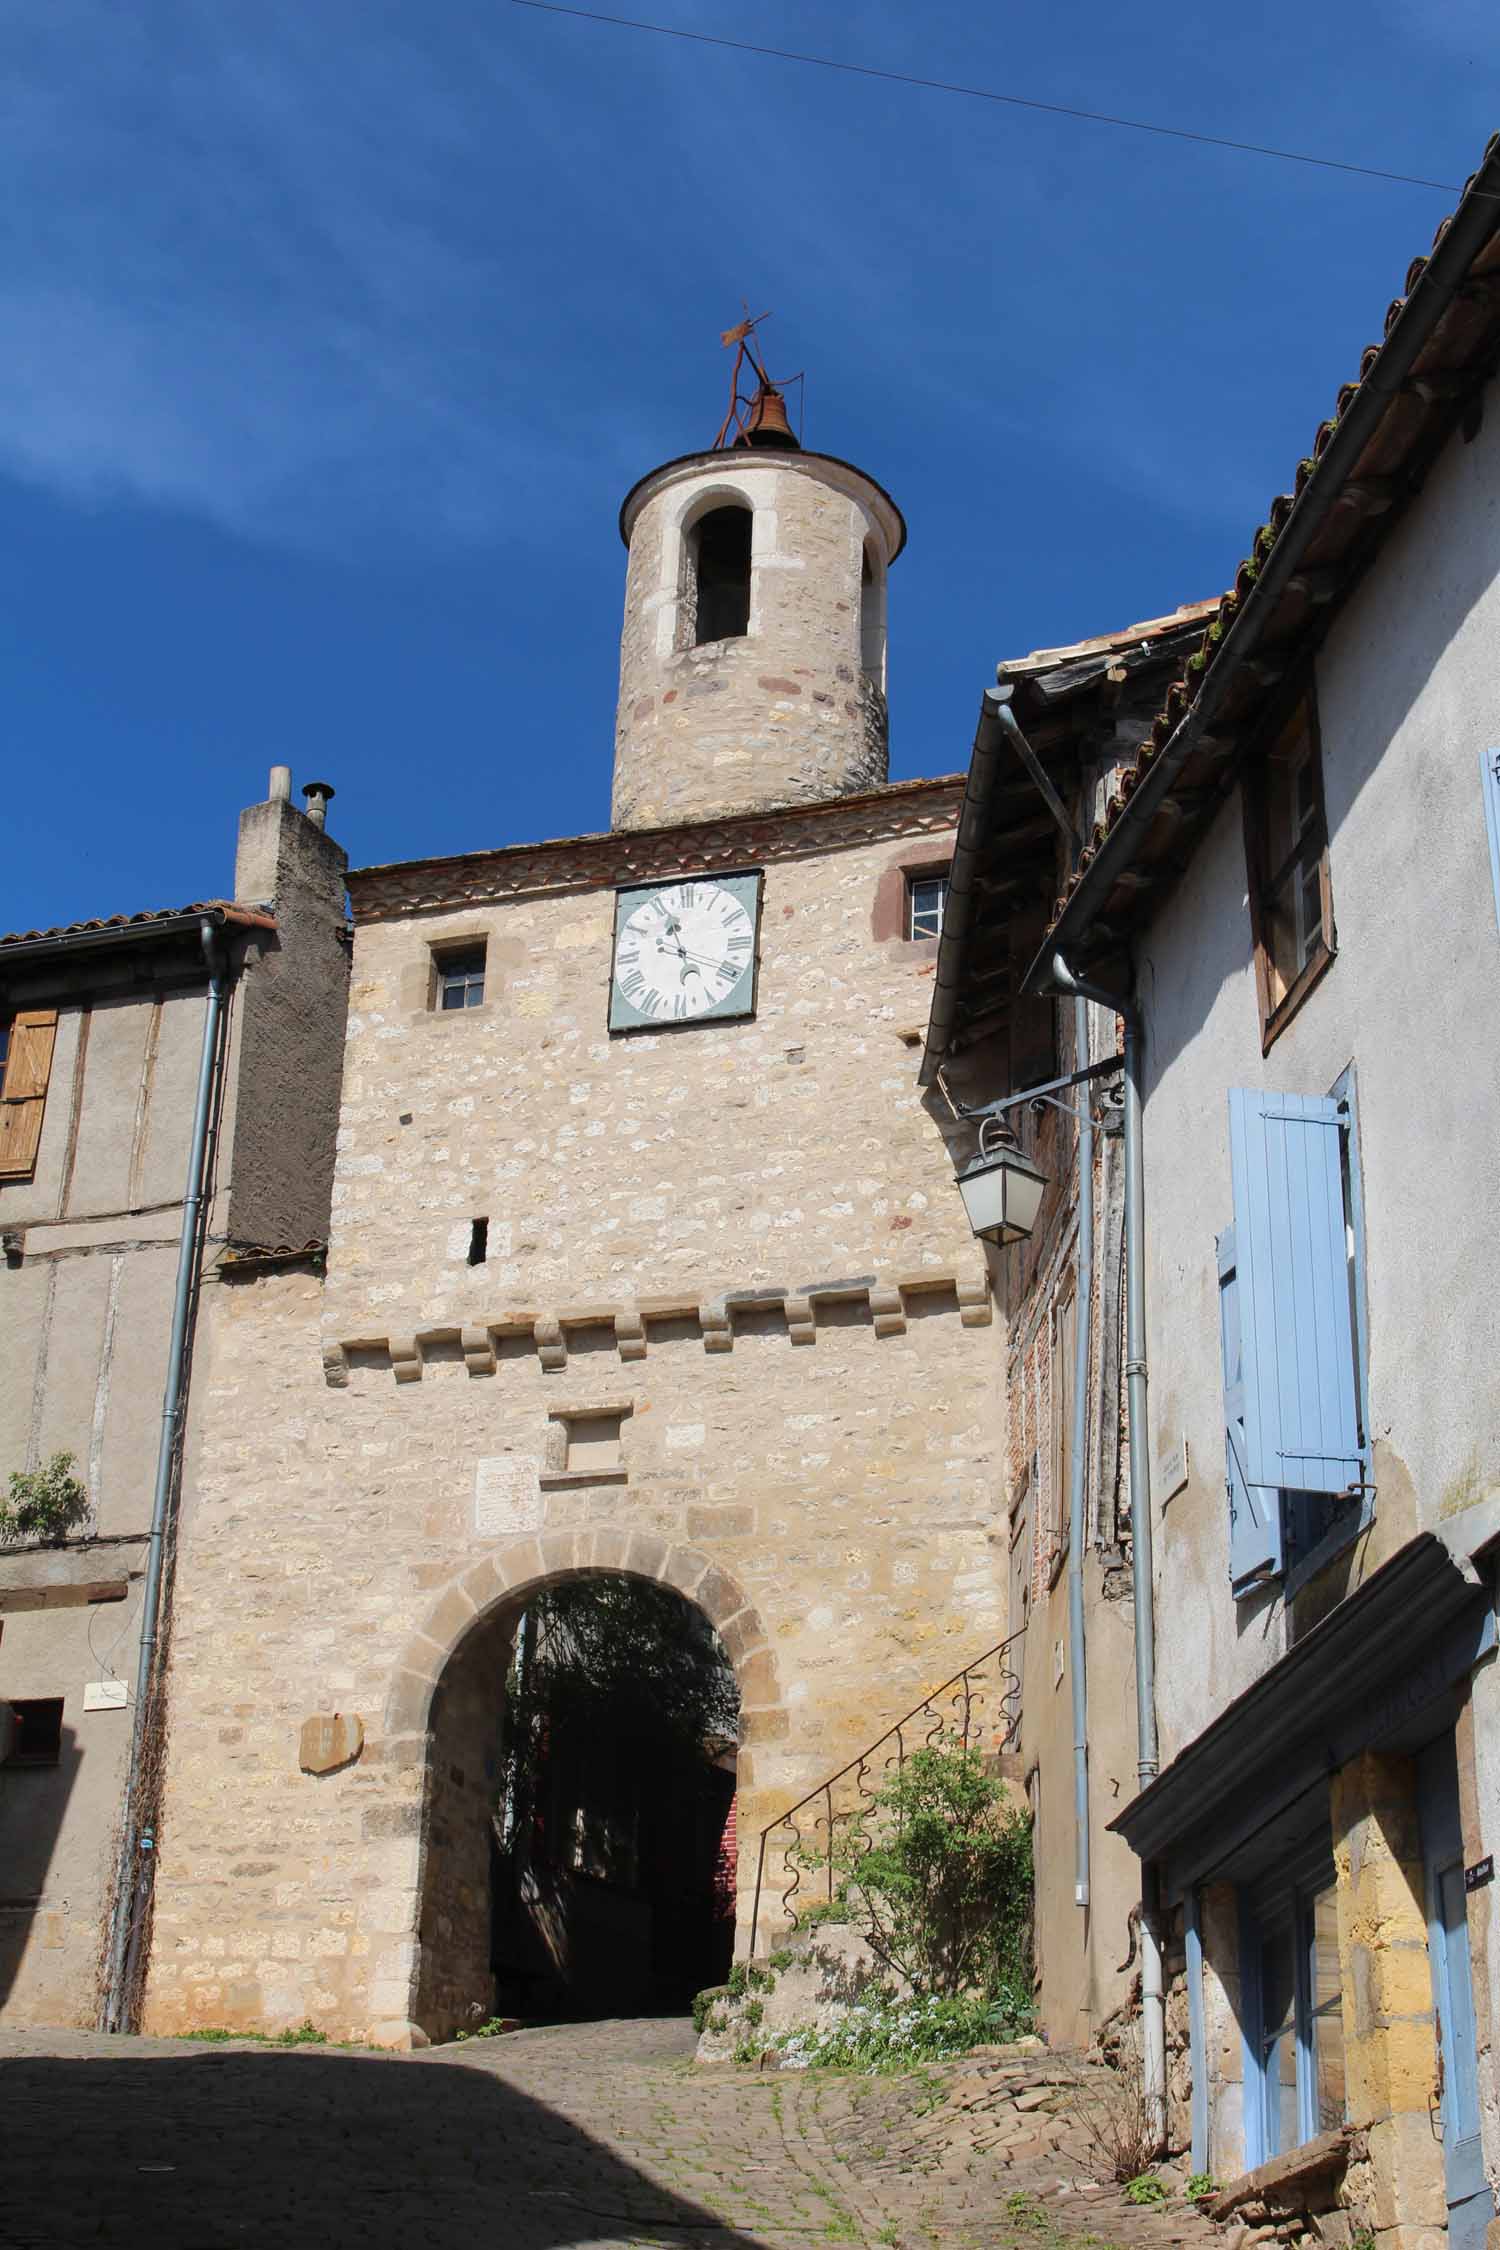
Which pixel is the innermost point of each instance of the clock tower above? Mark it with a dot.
(752, 662)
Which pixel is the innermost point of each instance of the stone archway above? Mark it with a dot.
(443, 1697)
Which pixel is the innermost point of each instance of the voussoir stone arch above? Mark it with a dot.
(506, 1577)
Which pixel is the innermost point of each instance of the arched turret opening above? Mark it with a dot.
(719, 571)
(872, 616)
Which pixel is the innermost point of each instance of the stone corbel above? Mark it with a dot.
(335, 1367)
(406, 1358)
(975, 1305)
(717, 1326)
(887, 1310)
(630, 1334)
(800, 1324)
(551, 1344)
(478, 1350)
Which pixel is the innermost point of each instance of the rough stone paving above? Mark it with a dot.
(599, 2133)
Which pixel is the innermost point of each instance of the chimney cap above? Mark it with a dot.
(318, 794)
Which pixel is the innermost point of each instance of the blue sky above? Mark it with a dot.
(335, 332)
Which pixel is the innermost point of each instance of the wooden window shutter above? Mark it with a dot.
(24, 1096)
(1296, 1316)
(1255, 1551)
(1489, 773)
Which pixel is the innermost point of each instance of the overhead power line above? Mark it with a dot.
(987, 94)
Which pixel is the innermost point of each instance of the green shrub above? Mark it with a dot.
(493, 2027)
(886, 2034)
(1145, 2188)
(940, 1872)
(44, 1504)
(703, 2004)
(1200, 2185)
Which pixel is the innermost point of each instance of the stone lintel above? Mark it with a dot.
(64, 1591)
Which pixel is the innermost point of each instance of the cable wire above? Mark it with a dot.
(990, 94)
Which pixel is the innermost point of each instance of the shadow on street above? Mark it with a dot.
(202, 2148)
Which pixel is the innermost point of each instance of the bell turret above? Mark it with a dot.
(752, 662)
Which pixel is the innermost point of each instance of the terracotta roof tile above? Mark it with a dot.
(253, 917)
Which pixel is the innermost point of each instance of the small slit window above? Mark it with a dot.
(721, 542)
(926, 900)
(479, 1241)
(459, 978)
(871, 621)
(35, 1732)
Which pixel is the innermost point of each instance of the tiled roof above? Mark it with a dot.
(1054, 660)
(1365, 462)
(1075, 706)
(224, 909)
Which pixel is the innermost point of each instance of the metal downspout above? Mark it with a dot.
(1153, 2011)
(1083, 1327)
(132, 1844)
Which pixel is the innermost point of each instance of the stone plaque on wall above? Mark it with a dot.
(330, 1739)
(507, 1497)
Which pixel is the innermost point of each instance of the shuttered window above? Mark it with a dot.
(1286, 1297)
(23, 1094)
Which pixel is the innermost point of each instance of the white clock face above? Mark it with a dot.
(683, 950)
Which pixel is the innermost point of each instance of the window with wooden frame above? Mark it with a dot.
(1286, 855)
(458, 977)
(926, 902)
(26, 1042)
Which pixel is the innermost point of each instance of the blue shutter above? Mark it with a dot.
(1254, 1513)
(1296, 1315)
(1489, 771)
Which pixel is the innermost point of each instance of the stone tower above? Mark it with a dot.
(752, 663)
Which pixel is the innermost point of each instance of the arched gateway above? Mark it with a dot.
(443, 1718)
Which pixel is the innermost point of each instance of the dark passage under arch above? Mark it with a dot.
(612, 1867)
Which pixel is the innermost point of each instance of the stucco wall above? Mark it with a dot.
(84, 1317)
(1405, 687)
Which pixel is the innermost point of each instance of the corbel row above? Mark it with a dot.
(547, 1333)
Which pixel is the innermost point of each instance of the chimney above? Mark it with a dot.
(278, 844)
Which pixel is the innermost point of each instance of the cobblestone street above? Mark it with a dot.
(588, 2134)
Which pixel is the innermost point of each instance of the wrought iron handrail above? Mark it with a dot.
(955, 1698)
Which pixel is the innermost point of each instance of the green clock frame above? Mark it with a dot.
(737, 1003)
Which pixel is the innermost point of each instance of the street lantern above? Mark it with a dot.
(1001, 1188)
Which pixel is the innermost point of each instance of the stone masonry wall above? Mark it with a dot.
(783, 714)
(745, 1241)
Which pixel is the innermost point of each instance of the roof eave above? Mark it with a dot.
(19, 951)
(1475, 220)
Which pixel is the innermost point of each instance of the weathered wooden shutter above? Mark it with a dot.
(1295, 1309)
(1489, 773)
(24, 1096)
(1254, 1513)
